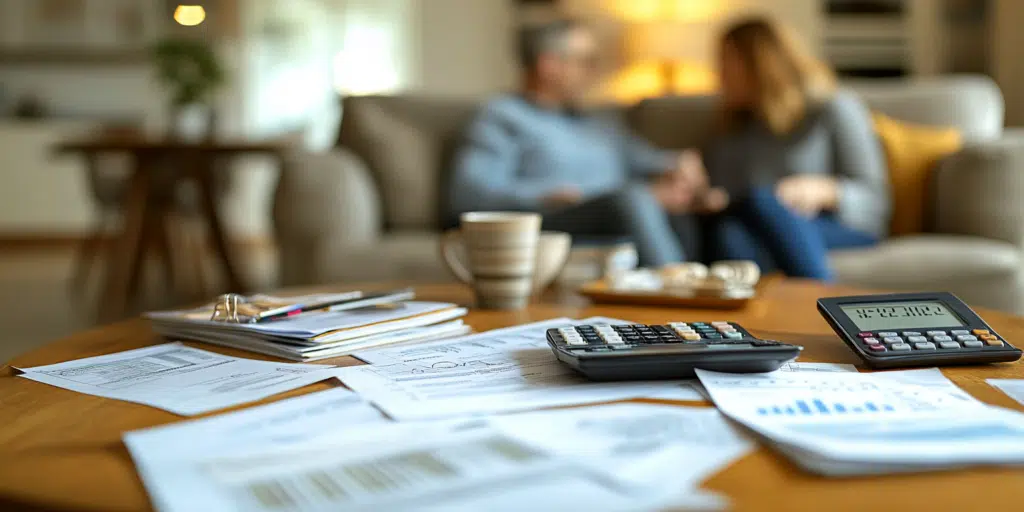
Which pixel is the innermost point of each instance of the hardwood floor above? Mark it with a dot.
(37, 303)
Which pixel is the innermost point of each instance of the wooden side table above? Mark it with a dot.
(144, 215)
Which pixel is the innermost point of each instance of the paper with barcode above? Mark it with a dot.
(165, 455)
(501, 371)
(178, 378)
(390, 468)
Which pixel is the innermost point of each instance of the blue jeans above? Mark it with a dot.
(760, 228)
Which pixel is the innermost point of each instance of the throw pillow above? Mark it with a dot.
(912, 151)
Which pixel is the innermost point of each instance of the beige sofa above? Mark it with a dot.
(370, 208)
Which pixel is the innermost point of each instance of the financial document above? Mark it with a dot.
(398, 467)
(792, 366)
(857, 423)
(1012, 387)
(178, 378)
(633, 441)
(165, 455)
(495, 372)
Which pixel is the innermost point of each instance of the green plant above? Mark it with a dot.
(189, 68)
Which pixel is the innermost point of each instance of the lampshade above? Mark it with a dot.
(670, 41)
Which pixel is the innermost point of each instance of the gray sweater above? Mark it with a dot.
(837, 139)
(516, 153)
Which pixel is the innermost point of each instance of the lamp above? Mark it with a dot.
(677, 51)
(668, 46)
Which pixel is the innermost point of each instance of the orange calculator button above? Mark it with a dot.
(988, 337)
(980, 332)
(994, 342)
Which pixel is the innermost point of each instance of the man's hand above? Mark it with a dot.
(690, 170)
(674, 195)
(808, 194)
(563, 197)
(682, 187)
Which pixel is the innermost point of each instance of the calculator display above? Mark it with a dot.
(901, 315)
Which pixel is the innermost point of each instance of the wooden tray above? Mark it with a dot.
(600, 291)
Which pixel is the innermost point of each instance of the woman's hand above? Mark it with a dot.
(808, 194)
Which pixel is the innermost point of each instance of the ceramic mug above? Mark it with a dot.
(504, 256)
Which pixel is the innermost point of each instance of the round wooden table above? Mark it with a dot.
(63, 450)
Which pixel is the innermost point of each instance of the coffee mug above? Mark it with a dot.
(504, 257)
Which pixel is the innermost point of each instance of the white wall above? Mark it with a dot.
(465, 47)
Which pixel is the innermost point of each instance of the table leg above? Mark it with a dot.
(127, 250)
(216, 228)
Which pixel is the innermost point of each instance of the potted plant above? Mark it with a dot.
(192, 73)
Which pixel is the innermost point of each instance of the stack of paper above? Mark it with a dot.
(854, 423)
(318, 335)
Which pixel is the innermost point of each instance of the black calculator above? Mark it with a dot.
(671, 351)
(914, 329)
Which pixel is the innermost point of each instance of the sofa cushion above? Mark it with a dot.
(925, 262)
(674, 122)
(912, 152)
(406, 142)
(972, 104)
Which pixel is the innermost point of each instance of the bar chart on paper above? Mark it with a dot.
(823, 406)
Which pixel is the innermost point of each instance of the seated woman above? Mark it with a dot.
(799, 160)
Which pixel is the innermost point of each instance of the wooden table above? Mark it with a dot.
(144, 216)
(62, 449)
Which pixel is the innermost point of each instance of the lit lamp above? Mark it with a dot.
(189, 15)
(673, 54)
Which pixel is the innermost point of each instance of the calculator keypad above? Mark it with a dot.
(884, 342)
(719, 334)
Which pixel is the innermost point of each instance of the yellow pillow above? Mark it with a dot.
(912, 151)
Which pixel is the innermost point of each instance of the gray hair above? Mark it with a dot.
(543, 38)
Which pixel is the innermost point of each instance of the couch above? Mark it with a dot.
(371, 208)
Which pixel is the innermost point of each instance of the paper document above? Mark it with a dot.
(798, 366)
(495, 372)
(326, 326)
(792, 366)
(856, 423)
(165, 455)
(633, 441)
(305, 353)
(386, 468)
(1012, 387)
(177, 378)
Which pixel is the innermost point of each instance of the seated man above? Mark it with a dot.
(534, 151)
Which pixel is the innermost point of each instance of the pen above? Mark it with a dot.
(295, 309)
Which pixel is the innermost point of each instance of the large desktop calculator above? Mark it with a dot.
(914, 329)
(671, 351)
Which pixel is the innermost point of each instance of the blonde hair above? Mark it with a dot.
(788, 79)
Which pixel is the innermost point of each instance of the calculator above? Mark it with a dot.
(671, 351)
(914, 329)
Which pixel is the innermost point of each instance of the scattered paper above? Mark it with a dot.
(177, 378)
(1012, 387)
(795, 366)
(931, 378)
(389, 468)
(496, 372)
(164, 455)
(792, 366)
(633, 441)
(863, 423)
